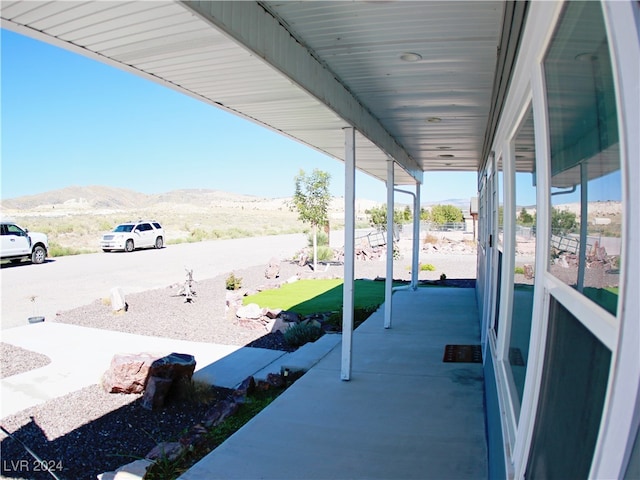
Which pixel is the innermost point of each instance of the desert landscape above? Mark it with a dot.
(74, 218)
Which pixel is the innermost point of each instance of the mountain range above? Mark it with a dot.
(99, 198)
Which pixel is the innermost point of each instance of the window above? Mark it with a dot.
(525, 251)
(586, 210)
(572, 393)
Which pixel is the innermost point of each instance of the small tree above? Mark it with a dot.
(441, 214)
(311, 200)
(525, 218)
(378, 216)
(563, 221)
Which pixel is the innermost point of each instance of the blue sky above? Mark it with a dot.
(69, 120)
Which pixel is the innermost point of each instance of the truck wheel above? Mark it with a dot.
(128, 247)
(39, 255)
(159, 242)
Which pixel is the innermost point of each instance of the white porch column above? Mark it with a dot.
(415, 267)
(388, 283)
(349, 250)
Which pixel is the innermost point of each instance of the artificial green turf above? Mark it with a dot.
(313, 296)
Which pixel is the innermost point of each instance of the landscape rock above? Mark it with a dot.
(155, 392)
(251, 311)
(275, 380)
(247, 387)
(175, 366)
(273, 269)
(128, 373)
(130, 471)
(219, 412)
(194, 437)
(289, 316)
(166, 451)
(528, 271)
(279, 325)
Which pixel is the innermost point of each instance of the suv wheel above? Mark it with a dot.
(159, 242)
(128, 247)
(39, 255)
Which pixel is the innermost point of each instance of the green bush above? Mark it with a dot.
(325, 254)
(427, 267)
(518, 270)
(322, 238)
(232, 282)
(301, 333)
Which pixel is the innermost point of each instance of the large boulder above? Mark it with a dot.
(128, 373)
(251, 311)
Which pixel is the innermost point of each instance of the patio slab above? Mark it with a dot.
(403, 414)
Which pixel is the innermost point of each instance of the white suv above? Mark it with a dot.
(19, 243)
(131, 235)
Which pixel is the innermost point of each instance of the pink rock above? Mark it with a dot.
(128, 373)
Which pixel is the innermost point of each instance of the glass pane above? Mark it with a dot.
(500, 189)
(572, 394)
(586, 216)
(525, 252)
(633, 469)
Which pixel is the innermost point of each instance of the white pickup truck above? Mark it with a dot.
(19, 243)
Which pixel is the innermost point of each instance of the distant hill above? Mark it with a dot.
(101, 198)
(98, 197)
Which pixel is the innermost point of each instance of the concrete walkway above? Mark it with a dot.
(80, 355)
(404, 414)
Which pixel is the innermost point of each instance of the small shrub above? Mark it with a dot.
(197, 235)
(302, 333)
(57, 250)
(325, 254)
(232, 282)
(443, 277)
(431, 239)
(196, 392)
(427, 267)
(322, 238)
(519, 270)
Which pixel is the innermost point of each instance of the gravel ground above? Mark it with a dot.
(17, 360)
(89, 431)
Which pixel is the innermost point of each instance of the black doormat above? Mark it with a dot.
(462, 354)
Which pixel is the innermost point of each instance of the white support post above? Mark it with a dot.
(388, 283)
(349, 251)
(415, 267)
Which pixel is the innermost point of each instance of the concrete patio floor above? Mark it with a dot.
(403, 414)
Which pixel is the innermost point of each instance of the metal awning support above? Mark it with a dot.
(349, 250)
(388, 283)
(415, 265)
(415, 246)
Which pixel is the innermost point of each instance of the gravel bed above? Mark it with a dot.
(88, 432)
(17, 360)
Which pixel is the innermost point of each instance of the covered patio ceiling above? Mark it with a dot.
(420, 81)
